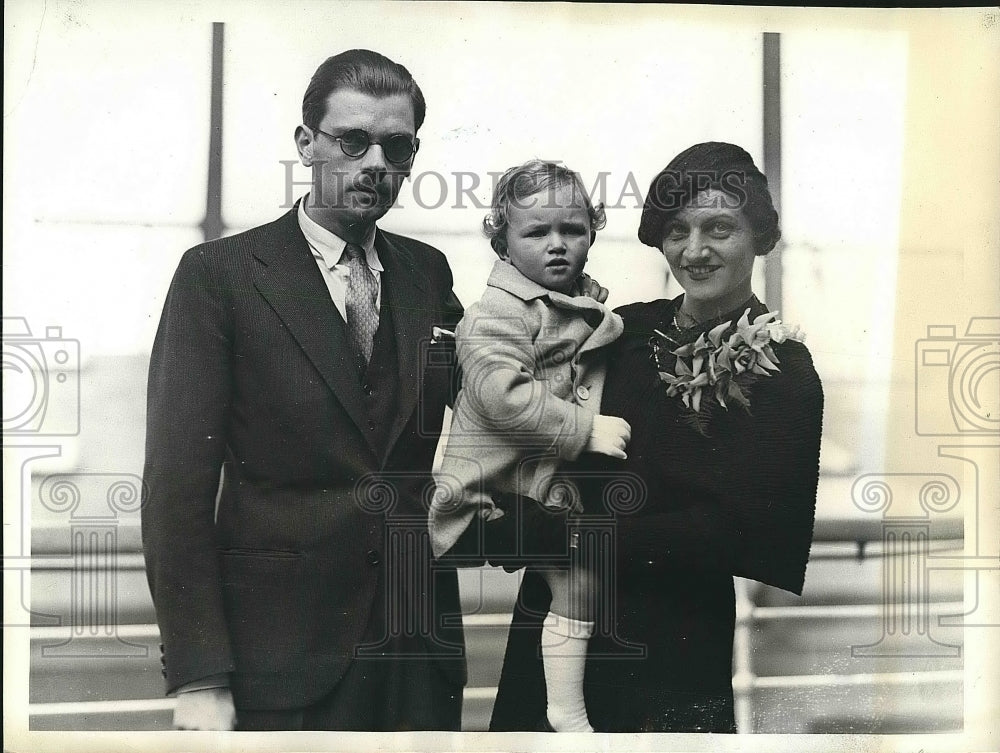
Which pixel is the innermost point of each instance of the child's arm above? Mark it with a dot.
(497, 353)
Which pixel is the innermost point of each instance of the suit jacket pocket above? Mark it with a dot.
(281, 554)
(267, 606)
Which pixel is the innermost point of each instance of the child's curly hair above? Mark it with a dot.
(518, 183)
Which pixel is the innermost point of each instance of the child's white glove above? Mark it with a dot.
(609, 436)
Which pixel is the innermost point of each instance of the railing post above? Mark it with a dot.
(744, 679)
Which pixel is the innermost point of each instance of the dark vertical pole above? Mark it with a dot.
(211, 226)
(772, 158)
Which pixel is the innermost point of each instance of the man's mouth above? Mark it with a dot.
(368, 196)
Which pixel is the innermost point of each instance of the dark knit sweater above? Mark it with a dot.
(740, 501)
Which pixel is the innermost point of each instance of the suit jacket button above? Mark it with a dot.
(371, 425)
(373, 557)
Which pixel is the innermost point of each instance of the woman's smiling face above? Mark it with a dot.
(709, 246)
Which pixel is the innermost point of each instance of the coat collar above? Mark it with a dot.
(330, 246)
(608, 326)
(507, 277)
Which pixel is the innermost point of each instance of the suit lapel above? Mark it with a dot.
(405, 288)
(292, 284)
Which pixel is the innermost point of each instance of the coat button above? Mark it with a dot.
(582, 392)
(373, 557)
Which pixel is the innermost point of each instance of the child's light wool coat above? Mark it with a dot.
(532, 377)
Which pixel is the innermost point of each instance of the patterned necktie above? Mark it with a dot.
(362, 311)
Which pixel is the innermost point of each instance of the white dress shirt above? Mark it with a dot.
(328, 251)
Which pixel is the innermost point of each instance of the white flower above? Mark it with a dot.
(779, 332)
(724, 366)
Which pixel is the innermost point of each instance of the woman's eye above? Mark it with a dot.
(721, 229)
(676, 233)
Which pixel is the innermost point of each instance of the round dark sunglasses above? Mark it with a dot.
(398, 148)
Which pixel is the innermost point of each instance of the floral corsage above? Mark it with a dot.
(722, 363)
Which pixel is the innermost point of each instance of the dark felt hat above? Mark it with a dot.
(713, 164)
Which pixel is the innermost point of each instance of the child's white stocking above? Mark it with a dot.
(564, 658)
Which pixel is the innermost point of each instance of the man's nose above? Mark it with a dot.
(374, 159)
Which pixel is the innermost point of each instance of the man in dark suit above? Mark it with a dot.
(299, 593)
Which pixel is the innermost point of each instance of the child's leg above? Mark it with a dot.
(565, 634)
(573, 592)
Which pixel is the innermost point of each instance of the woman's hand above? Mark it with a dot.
(609, 436)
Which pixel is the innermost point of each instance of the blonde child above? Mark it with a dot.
(531, 353)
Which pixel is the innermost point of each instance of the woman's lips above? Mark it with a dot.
(700, 271)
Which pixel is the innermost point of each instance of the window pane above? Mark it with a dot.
(112, 123)
(843, 98)
(612, 92)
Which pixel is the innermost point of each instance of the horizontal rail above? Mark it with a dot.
(844, 611)
(87, 708)
(824, 550)
(928, 677)
(150, 631)
(136, 632)
(49, 539)
(152, 705)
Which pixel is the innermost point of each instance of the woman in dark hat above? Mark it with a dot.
(720, 480)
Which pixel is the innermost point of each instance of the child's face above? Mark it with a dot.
(548, 236)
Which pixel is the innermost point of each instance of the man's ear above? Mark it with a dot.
(304, 144)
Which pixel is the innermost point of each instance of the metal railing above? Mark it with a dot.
(859, 544)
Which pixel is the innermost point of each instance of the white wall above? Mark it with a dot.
(106, 147)
(109, 115)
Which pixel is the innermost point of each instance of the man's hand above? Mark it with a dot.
(609, 436)
(208, 709)
(592, 288)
